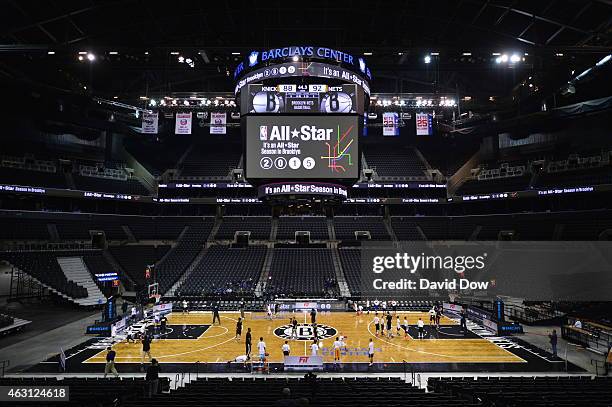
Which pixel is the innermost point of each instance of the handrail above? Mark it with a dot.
(176, 379)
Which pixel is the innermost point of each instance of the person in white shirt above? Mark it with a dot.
(371, 352)
(314, 348)
(384, 306)
(286, 349)
(398, 325)
(432, 316)
(405, 327)
(185, 305)
(338, 345)
(355, 308)
(261, 349)
(421, 326)
(578, 324)
(270, 312)
(360, 309)
(377, 323)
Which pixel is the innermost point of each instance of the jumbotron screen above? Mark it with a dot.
(302, 147)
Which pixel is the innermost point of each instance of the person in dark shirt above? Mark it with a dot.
(152, 378)
(164, 323)
(146, 348)
(248, 343)
(238, 328)
(313, 316)
(110, 362)
(553, 342)
(389, 322)
(216, 316)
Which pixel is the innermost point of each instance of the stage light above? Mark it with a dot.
(427, 59)
(91, 57)
(504, 58)
(81, 57)
(50, 52)
(367, 54)
(496, 54)
(434, 54)
(189, 61)
(296, 58)
(181, 59)
(235, 53)
(115, 97)
(113, 53)
(467, 54)
(515, 58)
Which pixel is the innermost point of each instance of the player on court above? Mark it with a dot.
(261, 349)
(432, 316)
(421, 326)
(389, 324)
(269, 310)
(377, 323)
(338, 345)
(371, 352)
(314, 348)
(286, 349)
(368, 306)
(398, 326)
(294, 325)
(238, 328)
(405, 327)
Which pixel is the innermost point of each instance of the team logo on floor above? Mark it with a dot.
(305, 332)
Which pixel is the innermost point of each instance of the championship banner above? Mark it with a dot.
(183, 123)
(390, 124)
(150, 123)
(217, 123)
(424, 124)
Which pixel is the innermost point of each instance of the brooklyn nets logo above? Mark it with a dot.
(305, 332)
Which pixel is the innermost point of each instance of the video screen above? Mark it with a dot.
(302, 147)
(300, 99)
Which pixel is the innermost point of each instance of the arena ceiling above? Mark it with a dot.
(396, 33)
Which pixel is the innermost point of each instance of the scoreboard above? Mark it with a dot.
(302, 147)
(301, 99)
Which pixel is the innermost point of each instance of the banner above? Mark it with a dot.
(217, 122)
(424, 124)
(390, 124)
(183, 123)
(150, 123)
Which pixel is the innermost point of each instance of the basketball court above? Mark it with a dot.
(192, 341)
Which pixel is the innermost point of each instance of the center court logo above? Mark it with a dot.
(305, 332)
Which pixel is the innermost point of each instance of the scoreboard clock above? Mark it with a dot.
(302, 99)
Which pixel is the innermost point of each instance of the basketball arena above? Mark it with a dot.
(323, 203)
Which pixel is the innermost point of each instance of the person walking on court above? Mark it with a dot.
(185, 305)
(314, 347)
(110, 362)
(216, 316)
(238, 328)
(146, 348)
(313, 316)
(371, 352)
(553, 342)
(294, 328)
(248, 343)
(376, 323)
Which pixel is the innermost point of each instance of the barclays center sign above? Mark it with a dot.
(257, 58)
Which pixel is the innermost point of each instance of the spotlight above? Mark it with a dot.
(296, 58)
(427, 59)
(91, 57)
(81, 57)
(504, 58)
(181, 59)
(515, 58)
